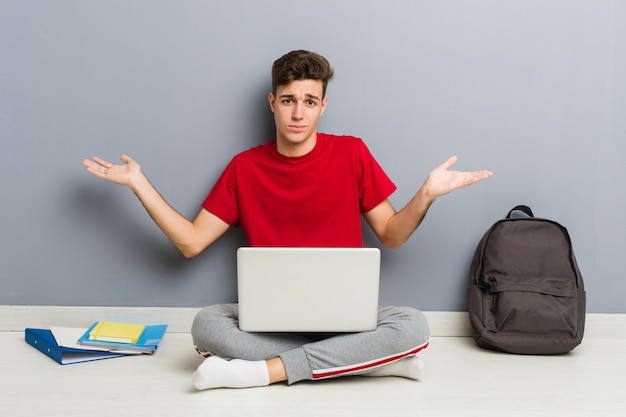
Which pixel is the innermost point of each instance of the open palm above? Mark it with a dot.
(441, 180)
(120, 174)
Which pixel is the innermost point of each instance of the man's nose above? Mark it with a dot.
(297, 112)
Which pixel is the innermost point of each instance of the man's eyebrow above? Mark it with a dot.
(292, 96)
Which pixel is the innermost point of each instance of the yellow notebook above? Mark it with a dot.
(110, 331)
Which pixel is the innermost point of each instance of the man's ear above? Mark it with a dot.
(324, 103)
(271, 99)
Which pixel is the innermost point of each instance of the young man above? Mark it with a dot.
(303, 189)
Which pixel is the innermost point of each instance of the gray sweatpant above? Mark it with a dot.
(401, 331)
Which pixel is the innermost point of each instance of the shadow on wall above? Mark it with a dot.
(102, 219)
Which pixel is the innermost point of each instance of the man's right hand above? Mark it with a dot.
(120, 174)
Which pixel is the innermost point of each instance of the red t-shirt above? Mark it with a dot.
(315, 200)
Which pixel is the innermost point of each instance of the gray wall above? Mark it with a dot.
(533, 90)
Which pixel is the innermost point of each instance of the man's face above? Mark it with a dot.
(297, 108)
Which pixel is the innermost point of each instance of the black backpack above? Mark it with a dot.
(526, 293)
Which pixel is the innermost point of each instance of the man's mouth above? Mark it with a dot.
(297, 128)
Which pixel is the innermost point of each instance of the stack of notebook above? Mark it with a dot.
(103, 340)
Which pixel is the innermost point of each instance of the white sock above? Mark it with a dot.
(216, 372)
(410, 367)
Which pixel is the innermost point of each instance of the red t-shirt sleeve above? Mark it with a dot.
(222, 200)
(375, 185)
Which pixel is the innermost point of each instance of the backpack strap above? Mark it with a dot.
(522, 208)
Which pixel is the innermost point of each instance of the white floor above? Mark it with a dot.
(460, 379)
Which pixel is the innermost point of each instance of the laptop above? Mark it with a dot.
(308, 289)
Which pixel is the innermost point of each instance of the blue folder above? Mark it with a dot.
(147, 343)
(43, 340)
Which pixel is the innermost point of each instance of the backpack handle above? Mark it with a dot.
(522, 208)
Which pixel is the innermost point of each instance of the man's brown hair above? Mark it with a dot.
(301, 65)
